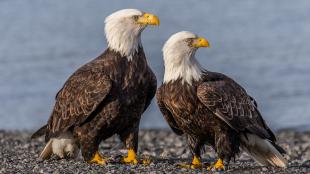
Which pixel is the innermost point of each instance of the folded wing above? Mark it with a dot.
(78, 99)
(230, 102)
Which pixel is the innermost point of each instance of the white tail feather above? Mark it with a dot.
(262, 151)
(47, 151)
(62, 146)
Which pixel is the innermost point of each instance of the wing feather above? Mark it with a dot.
(152, 89)
(79, 97)
(230, 102)
(167, 114)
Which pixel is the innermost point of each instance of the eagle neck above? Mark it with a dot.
(126, 42)
(186, 69)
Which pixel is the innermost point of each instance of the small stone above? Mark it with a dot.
(306, 163)
(20, 155)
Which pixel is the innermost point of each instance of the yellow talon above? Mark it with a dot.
(196, 164)
(131, 157)
(219, 165)
(97, 159)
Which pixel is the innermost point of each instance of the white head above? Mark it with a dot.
(179, 57)
(123, 30)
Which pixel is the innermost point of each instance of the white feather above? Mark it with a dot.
(262, 151)
(62, 146)
(123, 33)
(47, 151)
(179, 59)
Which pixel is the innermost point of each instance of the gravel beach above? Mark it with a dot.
(165, 150)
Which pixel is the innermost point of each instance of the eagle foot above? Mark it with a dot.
(97, 159)
(196, 164)
(131, 158)
(218, 166)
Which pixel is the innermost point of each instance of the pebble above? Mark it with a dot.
(19, 155)
(306, 163)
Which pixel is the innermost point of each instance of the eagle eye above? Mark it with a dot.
(135, 17)
(190, 41)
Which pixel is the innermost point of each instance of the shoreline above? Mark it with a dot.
(162, 147)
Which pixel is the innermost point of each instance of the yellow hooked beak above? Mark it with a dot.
(148, 19)
(200, 42)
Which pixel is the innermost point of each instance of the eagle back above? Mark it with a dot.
(109, 75)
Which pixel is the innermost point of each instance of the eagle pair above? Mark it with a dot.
(109, 94)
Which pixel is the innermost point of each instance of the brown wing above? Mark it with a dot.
(152, 89)
(167, 114)
(79, 97)
(230, 102)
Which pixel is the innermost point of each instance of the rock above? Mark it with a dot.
(20, 155)
(306, 163)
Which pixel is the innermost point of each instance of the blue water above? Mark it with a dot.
(262, 44)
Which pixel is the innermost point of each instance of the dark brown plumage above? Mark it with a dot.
(104, 97)
(215, 111)
(210, 108)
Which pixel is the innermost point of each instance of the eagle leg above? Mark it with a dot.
(89, 146)
(195, 145)
(97, 159)
(130, 138)
(131, 157)
(218, 166)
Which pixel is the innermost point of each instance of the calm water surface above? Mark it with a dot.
(262, 44)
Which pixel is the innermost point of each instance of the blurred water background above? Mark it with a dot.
(264, 45)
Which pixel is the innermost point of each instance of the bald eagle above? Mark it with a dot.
(210, 108)
(106, 96)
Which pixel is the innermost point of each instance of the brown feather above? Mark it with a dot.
(104, 97)
(230, 102)
(214, 110)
